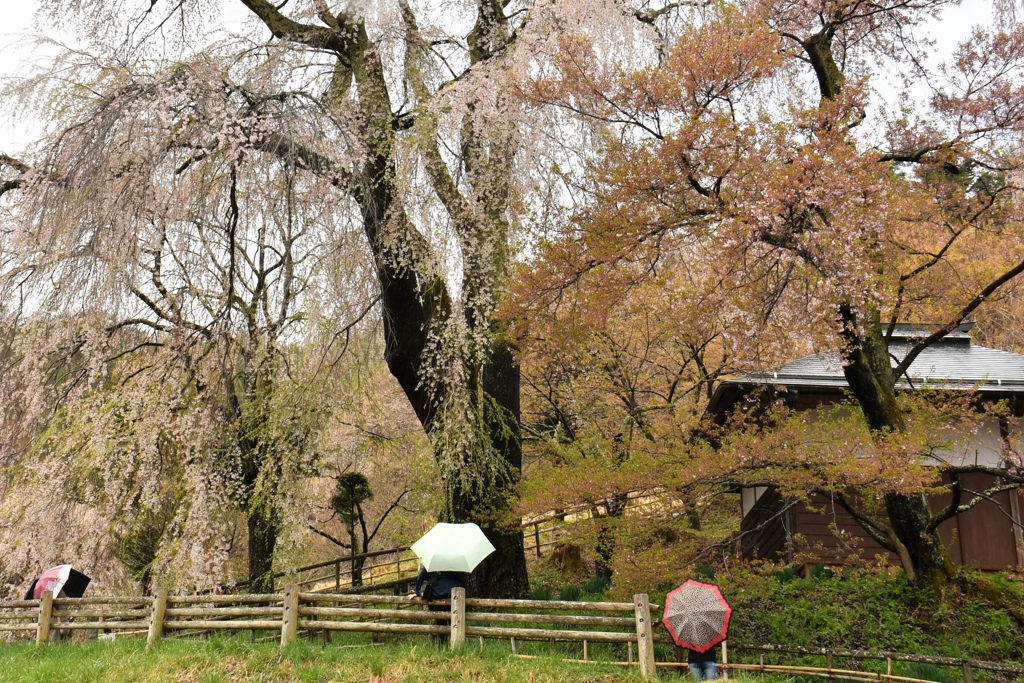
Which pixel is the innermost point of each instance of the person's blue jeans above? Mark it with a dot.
(705, 670)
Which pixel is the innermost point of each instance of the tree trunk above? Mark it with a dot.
(411, 304)
(357, 571)
(503, 573)
(870, 376)
(615, 506)
(262, 539)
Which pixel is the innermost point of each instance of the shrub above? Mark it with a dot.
(541, 592)
(929, 672)
(820, 572)
(571, 593)
(596, 586)
(707, 573)
(784, 575)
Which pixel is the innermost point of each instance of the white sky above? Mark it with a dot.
(954, 25)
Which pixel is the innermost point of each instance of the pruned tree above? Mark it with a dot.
(351, 492)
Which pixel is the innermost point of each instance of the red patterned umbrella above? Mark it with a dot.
(56, 579)
(697, 615)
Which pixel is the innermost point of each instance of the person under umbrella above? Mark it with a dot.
(62, 579)
(697, 617)
(449, 552)
(438, 586)
(63, 582)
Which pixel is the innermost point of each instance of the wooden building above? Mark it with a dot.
(988, 536)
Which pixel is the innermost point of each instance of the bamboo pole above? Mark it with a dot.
(552, 604)
(356, 599)
(217, 599)
(107, 625)
(560, 619)
(549, 634)
(156, 619)
(142, 601)
(645, 644)
(409, 615)
(458, 618)
(43, 625)
(290, 616)
(375, 627)
(239, 625)
(893, 656)
(107, 613)
(820, 672)
(21, 613)
(223, 612)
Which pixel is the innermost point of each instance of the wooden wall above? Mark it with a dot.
(983, 537)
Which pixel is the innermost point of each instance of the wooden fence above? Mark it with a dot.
(586, 625)
(397, 565)
(965, 666)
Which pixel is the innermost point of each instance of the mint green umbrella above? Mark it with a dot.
(452, 547)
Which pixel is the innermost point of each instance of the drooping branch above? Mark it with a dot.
(965, 311)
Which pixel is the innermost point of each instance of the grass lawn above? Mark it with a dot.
(227, 659)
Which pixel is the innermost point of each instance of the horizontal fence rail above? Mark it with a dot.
(540, 532)
(580, 626)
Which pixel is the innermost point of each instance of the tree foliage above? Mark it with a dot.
(397, 119)
(756, 152)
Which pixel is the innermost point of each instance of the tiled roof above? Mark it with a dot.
(952, 363)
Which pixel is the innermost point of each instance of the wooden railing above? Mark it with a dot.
(294, 612)
(336, 573)
(965, 666)
(539, 532)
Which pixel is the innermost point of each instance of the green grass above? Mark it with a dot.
(850, 609)
(223, 660)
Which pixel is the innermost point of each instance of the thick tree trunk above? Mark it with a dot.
(262, 539)
(502, 574)
(412, 302)
(870, 376)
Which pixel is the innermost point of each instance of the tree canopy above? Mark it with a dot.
(754, 168)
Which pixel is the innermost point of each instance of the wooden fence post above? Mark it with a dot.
(156, 617)
(536, 536)
(45, 612)
(968, 678)
(725, 660)
(828, 665)
(645, 641)
(290, 615)
(458, 614)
